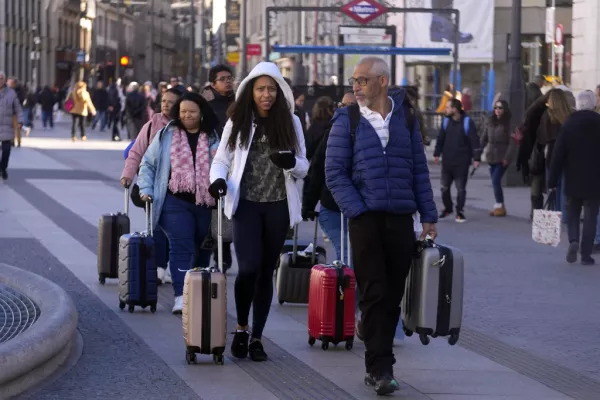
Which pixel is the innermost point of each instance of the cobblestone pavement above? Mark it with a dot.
(528, 330)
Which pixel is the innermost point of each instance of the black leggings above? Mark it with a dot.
(78, 119)
(259, 232)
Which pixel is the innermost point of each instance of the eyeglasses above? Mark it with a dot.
(225, 79)
(361, 81)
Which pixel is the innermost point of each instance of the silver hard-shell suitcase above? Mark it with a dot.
(433, 296)
(293, 273)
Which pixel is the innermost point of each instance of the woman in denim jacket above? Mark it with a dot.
(174, 176)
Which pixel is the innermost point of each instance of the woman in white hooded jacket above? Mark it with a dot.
(260, 156)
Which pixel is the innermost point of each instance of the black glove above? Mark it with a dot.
(218, 188)
(284, 160)
(308, 214)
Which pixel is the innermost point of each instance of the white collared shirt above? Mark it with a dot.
(381, 125)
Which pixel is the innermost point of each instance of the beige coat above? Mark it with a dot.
(82, 102)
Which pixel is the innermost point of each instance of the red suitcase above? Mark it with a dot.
(332, 303)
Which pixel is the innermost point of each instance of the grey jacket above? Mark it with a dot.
(500, 145)
(9, 107)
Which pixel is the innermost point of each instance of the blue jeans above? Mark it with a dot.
(497, 172)
(100, 116)
(47, 118)
(186, 225)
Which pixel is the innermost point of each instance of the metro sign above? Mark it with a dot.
(363, 11)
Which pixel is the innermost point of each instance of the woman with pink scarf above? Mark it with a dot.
(174, 176)
(137, 149)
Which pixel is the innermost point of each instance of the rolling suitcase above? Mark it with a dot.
(433, 297)
(332, 302)
(293, 274)
(204, 315)
(138, 279)
(110, 229)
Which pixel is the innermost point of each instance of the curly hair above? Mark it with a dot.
(208, 121)
(279, 125)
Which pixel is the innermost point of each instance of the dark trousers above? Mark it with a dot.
(78, 119)
(226, 253)
(590, 214)
(459, 174)
(48, 118)
(497, 172)
(6, 147)
(259, 231)
(382, 250)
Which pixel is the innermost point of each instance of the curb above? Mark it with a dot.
(39, 351)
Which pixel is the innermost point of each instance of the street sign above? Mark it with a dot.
(253, 50)
(550, 25)
(363, 11)
(80, 56)
(559, 35)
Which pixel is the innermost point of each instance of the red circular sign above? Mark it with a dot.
(559, 35)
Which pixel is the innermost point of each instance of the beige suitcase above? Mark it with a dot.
(204, 312)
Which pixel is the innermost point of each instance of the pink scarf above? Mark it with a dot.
(185, 177)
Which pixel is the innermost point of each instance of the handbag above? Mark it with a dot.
(546, 226)
(537, 161)
(69, 105)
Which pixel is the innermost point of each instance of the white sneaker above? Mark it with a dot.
(167, 277)
(178, 307)
(160, 274)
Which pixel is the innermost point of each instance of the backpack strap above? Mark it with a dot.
(148, 133)
(466, 124)
(445, 123)
(354, 113)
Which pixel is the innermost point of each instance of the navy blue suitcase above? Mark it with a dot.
(138, 280)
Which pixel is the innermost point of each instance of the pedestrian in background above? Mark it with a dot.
(81, 108)
(10, 107)
(576, 156)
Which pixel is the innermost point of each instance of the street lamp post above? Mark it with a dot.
(515, 87)
(192, 44)
(35, 55)
(243, 44)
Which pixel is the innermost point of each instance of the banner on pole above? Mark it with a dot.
(431, 30)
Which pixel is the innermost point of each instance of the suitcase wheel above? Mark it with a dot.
(453, 339)
(407, 332)
(311, 340)
(281, 302)
(219, 359)
(424, 339)
(325, 345)
(349, 345)
(131, 308)
(102, 280)
(153, 308)
(190, 357)
(121, 305)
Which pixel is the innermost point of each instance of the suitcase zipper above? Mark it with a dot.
(446, 270)
(206, 314)
(339, 306)
(114, 246)
(142, 266)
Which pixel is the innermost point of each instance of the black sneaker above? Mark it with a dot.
(257, 352)
(239, 345)
(445, 214)
(4, 175)
(572, 252)
(587, 261)
(359, 330)
(460, 217)
(382, 385)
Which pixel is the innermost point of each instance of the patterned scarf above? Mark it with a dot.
(185, 177)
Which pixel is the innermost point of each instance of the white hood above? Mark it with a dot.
(269, 69)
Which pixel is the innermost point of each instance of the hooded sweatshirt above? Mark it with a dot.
(230, 165)
(134, 159)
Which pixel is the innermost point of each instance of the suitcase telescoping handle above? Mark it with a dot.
(126, 208)
(344, 238)
(313, 255)
(220, 232)
(149, 218)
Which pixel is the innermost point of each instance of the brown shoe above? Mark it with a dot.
(74, 139)
(500, 212)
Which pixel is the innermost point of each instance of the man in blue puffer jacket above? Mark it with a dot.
(379, 177)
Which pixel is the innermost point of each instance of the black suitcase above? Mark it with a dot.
(110, 228)
(138, 278)
(293, 272)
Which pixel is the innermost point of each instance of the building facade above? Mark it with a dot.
(586, 41)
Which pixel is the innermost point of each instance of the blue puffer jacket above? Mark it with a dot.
(367, 177)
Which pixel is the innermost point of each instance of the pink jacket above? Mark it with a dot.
(132, 164)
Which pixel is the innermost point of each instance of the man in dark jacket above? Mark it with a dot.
(575, 155)
(379, 178)
(135, 107)
(114, 110)
(101, 102)
(459, 144)
(220, 95)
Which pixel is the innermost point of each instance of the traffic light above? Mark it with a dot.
(124, 61)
